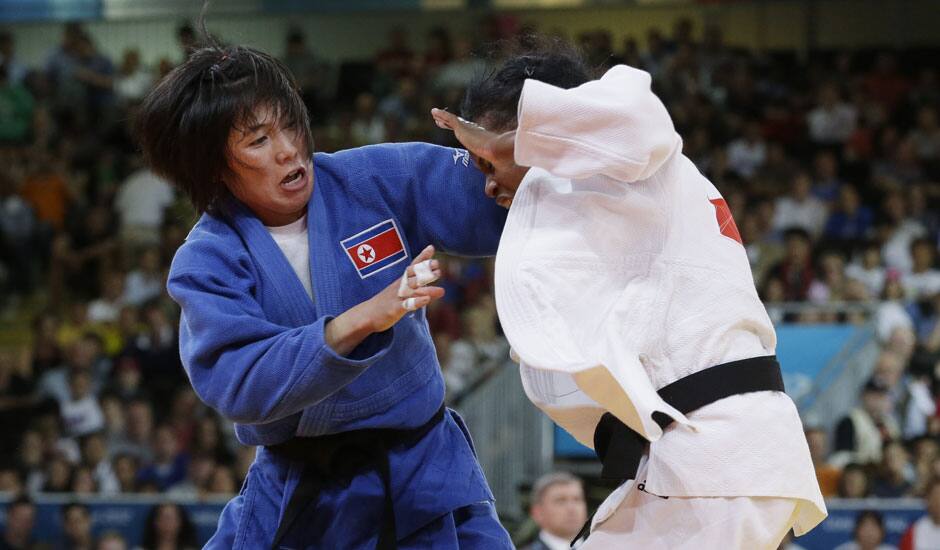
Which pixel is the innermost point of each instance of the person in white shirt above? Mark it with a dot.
(924, 534)
(621, 283)
(558, 507)
(869, 533)
(924, 279)
(832, 121)
(799, 208)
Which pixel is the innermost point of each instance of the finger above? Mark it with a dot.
(444, 119)
(413, 303)
(424, 274)
(425, 254)
(430, 292)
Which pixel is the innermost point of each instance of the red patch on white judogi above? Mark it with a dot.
(725, 220)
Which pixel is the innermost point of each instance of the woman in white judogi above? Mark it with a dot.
(620, 271)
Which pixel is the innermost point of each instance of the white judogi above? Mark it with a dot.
(614, 279)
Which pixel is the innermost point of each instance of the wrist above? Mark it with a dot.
(347, 331)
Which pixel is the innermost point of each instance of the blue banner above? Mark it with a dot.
(12, 11)
(128, 518)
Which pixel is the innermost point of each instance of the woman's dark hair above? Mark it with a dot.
(185, 537)
(496, 92)
(873, 515)
(184, 123)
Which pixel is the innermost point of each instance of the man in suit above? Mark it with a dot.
(559, 509)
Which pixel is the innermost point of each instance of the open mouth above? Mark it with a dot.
(295, 179)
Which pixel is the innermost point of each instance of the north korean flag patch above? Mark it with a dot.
(375, 249)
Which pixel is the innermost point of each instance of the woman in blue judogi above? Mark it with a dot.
(295, 323)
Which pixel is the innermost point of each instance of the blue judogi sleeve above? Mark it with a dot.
(437, 194)
(242, 364)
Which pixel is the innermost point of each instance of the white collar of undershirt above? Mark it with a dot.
(293, 228)
(553, 542)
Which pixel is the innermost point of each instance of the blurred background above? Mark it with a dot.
(817, 120)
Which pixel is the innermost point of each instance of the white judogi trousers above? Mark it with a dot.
(649, 522)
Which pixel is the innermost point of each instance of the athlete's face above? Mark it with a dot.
(269, 169)
(501, 191)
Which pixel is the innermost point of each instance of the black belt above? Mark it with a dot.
(338, 457)
(620, 449)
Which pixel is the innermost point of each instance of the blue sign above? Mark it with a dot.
(127, 517)
(44, 10)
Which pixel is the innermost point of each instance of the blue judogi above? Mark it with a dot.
(252, 342)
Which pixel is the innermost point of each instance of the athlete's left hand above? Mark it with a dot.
(494, 154)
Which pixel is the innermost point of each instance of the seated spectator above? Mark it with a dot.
(862, 434)
(799, 208)
(479, 351)
(832, 121)
(146, 281)
(76, 527)
(895, 476)
(926, 136)
(198, 479)
(168, 526)
(869, 533)
(18, 528)
(831, 284)
(924, 534)
(133, 80)
(106, 307)
(850, 219)
(854, 482)
(747, 153)
(558, 507)
(81, 412)
(827, 475)
(892, 314)
(139, 433)
(169, 463)
(826, 180)
(868, 270)
(83, 481)
(795, 271)
(924, 278)
(141, 203)
(125, 468)
(898, 229)
(95, 456)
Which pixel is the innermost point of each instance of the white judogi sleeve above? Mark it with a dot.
(615, 129)
(614, 126)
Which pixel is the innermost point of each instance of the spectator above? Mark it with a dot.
(125, 468)
(747, 153)
(95, 456)
(861, 435)
(146, 282)
(169, 463)
(924, 278)
(20, 520)
(16, 110)
(141, 203)
(463, 67)
(869, 533)
(896, 473)
(795, 271)
(81, 412)
(925, 138)
(924, 534)
(850, 220)
(799, 208)
(833, 120)
(168, 527)
(76, 527)
(16, 71)
(132, 80)
(827, 474)
(139, 431)
(558, 507)
(892, 314)
(107, 307)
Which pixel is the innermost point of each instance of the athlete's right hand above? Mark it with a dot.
(382, 311)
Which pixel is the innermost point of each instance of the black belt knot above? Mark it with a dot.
(337, 458)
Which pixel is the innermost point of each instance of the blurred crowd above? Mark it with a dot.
(829, 163)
